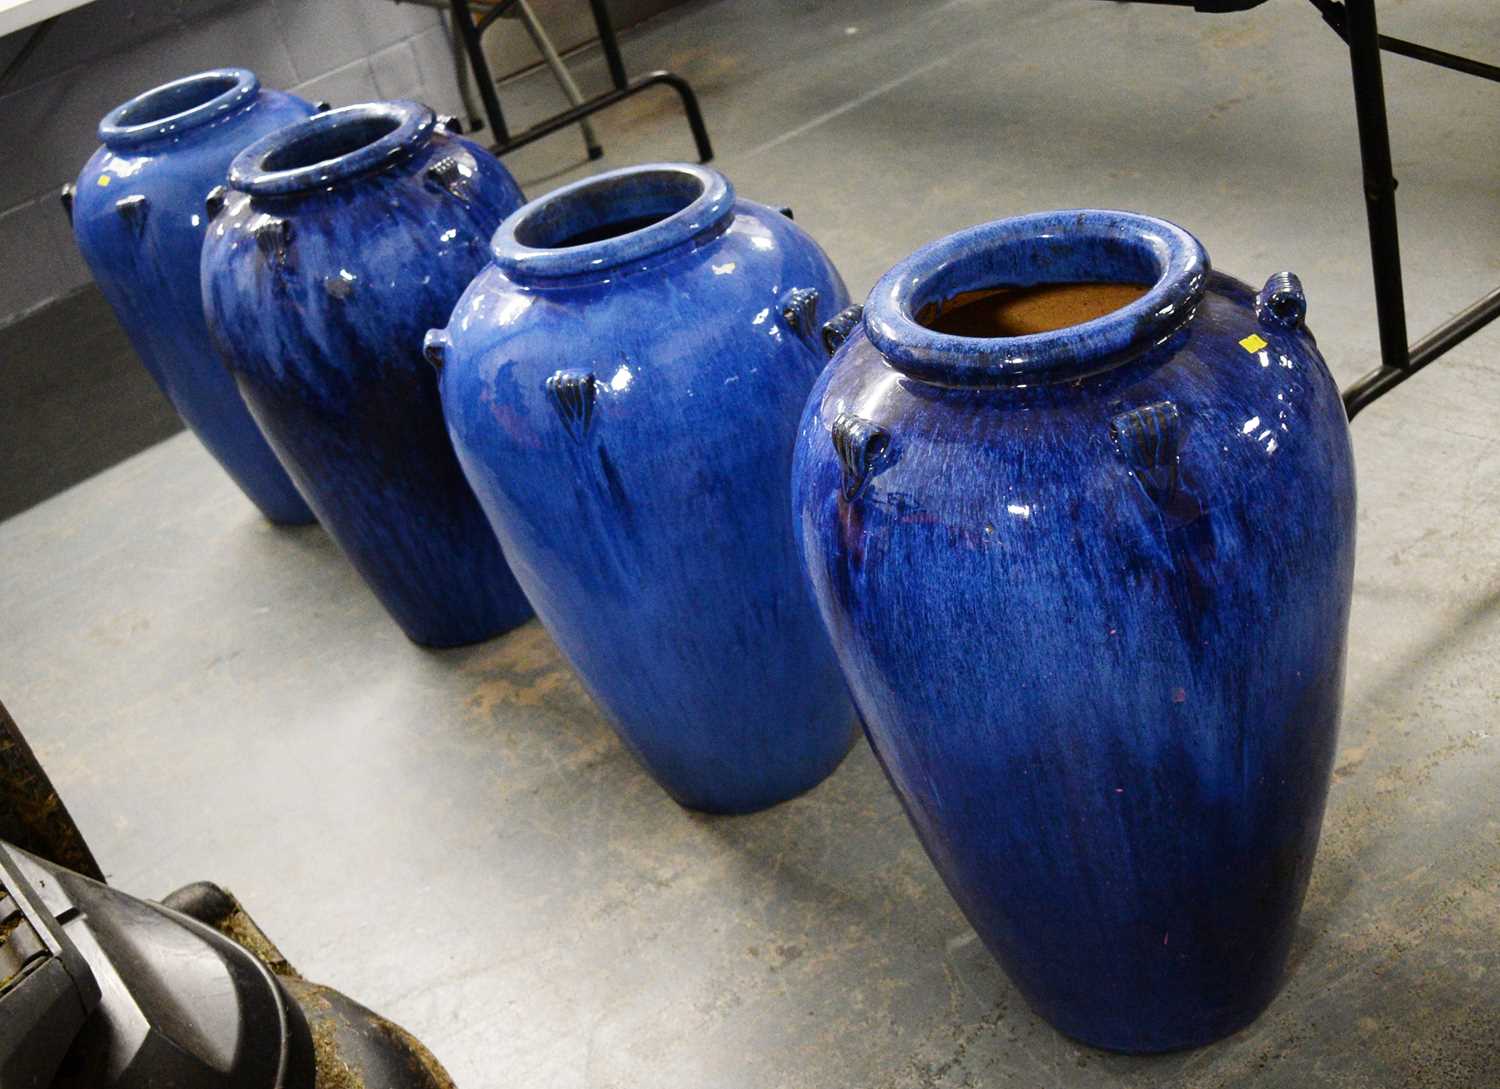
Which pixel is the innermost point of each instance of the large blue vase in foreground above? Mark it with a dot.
(342, 239)
(138, 217)
(1090, 588)
(622, 385)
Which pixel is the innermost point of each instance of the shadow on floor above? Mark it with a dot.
(74, 400)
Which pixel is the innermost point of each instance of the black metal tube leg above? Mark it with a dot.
(1380, 194)
(694, 114)
(463, 26)
(624, 88)
(610, 44)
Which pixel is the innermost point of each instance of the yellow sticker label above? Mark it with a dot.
(104, 179)
(1253, 343)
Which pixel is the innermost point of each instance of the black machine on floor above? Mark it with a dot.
(103, 990)
(1354, 22)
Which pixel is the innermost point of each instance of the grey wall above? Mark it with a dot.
(95, 57)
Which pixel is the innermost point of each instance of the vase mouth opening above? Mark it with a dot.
(177, 106)
(611, 219)
(327, 148)
(1035, 299)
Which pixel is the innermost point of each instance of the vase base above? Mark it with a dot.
(721, 807)
(466, 639)
(1188, 1038)
(294, 522)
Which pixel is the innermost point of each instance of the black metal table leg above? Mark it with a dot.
(609, 44)
(1429, 349)
(690, 107)
(463, 26)
(609, 98)
(1355, 22)
(1380, 196)
(624, 87)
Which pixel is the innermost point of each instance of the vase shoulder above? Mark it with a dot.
(697, 317)
(1229, 399)
(357, 270)
(180, 167)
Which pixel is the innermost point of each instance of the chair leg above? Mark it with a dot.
(560, 70)
(461, 75)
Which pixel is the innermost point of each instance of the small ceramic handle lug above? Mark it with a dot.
(786, 210)
(132, 210)
(799, 309)
(1148, 437)
(213, 204)
(861, 447)
(572, 393)
(274, 237)
(837, 329)
(66, 196)
(1281, 302)
(435, 347)
(449, 174)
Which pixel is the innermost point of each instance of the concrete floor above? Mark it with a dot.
(458, 839)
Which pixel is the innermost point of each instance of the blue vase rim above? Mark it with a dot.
(683, 202)
(1071, 245)
(178, 105)
(333, 146)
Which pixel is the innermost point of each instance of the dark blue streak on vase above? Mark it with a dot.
(622, 385)
(342, 241)
(1091, 602)
(139, 219)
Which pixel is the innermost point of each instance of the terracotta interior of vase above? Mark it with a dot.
(608, 209)
(322, 144)
(1007, 311)
(170, 101)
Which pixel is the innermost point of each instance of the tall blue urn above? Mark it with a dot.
(340, 241)
(138, 218)
(622, 385)
(1090, 587)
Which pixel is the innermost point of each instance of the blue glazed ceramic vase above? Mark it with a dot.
(1090, 588)
(138, 217)
(342, 239)
(622, 386)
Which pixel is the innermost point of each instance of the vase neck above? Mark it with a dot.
(331, 148)
(1066, 247)
(178, 106)
(611, 221)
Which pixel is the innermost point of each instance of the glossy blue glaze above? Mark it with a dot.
(342, 240)
(624, 407)
(139, 219)
(1090, 591)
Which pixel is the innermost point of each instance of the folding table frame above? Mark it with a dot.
(1354, 22)
(469, 31)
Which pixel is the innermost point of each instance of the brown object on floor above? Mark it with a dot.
(357, 1049)
(32, 816)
